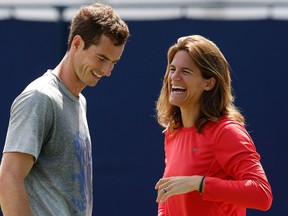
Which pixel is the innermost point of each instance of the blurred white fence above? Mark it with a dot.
(54, 10)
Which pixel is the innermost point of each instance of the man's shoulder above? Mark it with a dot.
(41, 83)
(40, 90)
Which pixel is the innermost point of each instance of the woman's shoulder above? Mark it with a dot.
(225, 123)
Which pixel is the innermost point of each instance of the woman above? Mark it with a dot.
(212, 166)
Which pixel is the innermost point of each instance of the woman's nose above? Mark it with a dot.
(175, 75)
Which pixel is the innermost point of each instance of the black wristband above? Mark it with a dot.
(201, 185)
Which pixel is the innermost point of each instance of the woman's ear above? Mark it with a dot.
(210, 83)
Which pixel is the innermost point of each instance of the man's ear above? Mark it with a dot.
(210, 83)
(78, 42)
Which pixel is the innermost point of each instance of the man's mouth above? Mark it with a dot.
(96, 74)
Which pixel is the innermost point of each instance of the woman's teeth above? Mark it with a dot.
(178, 88)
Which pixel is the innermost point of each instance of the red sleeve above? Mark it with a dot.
(161, 208)
(236, 154)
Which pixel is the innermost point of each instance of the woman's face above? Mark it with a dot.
(185, 82)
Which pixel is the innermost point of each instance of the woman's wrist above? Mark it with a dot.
(201, 185)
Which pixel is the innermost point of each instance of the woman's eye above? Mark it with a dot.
(172, 70)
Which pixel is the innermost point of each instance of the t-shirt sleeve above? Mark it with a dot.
(161, 209)
(29, 123)
(237, 155)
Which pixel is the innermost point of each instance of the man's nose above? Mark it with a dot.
(107, 68)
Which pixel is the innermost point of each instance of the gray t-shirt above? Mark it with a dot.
(48, 122)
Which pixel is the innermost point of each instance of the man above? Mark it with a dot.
(46, 167)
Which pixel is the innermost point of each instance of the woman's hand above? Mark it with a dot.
(176, 185)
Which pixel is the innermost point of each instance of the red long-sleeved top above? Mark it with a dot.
(225, 153)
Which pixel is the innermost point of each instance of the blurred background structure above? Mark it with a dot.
(127, 141)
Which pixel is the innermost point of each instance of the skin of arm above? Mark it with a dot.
(13, 195)
(176, 185)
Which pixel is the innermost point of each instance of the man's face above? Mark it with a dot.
(95, 62)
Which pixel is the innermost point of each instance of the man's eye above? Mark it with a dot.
(101, 59)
